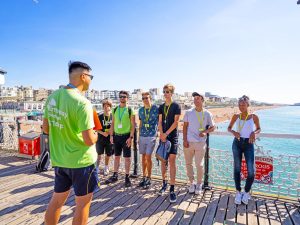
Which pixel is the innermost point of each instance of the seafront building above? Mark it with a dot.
(22, 98)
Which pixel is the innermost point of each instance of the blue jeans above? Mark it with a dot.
(238, 148)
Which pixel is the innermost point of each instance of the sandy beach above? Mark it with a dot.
(224, 114)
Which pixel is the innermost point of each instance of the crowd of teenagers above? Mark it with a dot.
(77, 147)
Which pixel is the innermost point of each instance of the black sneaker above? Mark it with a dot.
(173, 197)
(147, 183)
(127, 182)
(112, 179)
(134, 175)
(163, 189)
(142, 182)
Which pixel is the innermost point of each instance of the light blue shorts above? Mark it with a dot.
(147, 145)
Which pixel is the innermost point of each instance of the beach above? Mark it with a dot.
(225, 113)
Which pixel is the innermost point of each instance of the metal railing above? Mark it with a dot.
(286, 169)
(286, 174)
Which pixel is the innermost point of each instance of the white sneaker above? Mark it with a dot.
(238, 198)
(246, 197)
(198, 190)
(192, 189)
(106, 171)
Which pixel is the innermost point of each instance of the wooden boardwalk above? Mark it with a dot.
(24, 196)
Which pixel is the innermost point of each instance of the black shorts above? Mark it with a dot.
(84, 180)
(120, 145)
(104, 146)
(174, 144)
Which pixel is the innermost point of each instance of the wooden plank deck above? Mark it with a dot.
(24, 196)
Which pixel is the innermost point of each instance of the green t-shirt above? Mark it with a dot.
(69, 113)
(122, 123)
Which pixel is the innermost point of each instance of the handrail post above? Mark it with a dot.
(206, 164)
(135, 155)
(18, 127)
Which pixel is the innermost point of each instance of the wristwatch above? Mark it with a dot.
(131, 137)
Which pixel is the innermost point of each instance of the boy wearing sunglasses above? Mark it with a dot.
(121, 136)
(169, 113)
(148, 115)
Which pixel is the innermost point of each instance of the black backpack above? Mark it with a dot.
(44, 161)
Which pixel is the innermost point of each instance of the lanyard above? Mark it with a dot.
(147, 116)
(166, 111)
(74, 87)
(106, 121)
(241, 127)
(198, 117)
(121, 116)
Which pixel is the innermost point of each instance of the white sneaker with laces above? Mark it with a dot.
(106, 171)
(198, 189)
(192, 188)
(238, 198)
(246, 197)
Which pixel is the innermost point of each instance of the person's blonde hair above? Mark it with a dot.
(106, 102)
(147, 93)
(170, 87)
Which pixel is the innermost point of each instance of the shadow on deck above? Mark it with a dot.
(25, 195)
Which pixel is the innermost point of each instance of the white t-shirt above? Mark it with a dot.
(194, 124)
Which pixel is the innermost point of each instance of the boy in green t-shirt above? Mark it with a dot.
(121, 135)
(68, 120)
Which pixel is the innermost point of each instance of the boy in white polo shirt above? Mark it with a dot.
(194, 140)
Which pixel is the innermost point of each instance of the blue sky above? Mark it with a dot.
(227, 47)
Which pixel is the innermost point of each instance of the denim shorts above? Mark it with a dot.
(84, 180)
(147, 145)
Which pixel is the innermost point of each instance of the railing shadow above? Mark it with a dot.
(11, 170)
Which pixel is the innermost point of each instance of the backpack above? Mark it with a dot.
(44, 161)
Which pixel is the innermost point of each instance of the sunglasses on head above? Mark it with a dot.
(166, 92)
(122, 96)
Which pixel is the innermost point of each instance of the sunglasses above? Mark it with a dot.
(144, 98)
(91, 76)
(122, 96)
(166, 92)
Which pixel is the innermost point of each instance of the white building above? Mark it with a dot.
(93, 95)
(28, 93)
(8, 92)
(137, 95)
(109, 94)
(28, 106)
(154, 91)
(155, 94)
